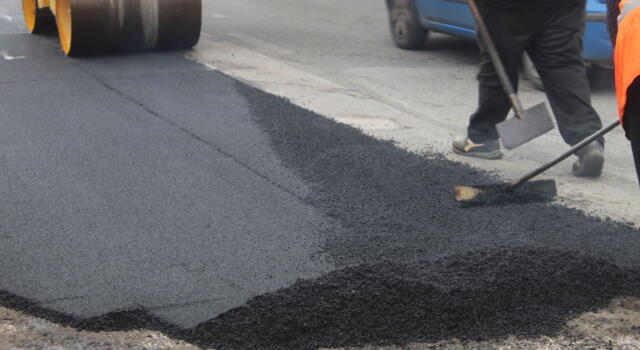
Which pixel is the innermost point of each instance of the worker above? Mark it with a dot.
(551, 32)
(624, 27)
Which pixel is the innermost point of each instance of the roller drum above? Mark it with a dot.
(180, 24)
(101, 26)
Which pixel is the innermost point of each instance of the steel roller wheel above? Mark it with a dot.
(180, 23)
(37, 20)
(101, 26)
(86, 27)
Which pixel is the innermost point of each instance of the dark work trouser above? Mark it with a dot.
(632, 121)
(553, 39)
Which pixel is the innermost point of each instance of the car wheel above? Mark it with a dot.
(405, 25)
(531, 74)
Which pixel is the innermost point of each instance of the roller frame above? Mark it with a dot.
(37, 15)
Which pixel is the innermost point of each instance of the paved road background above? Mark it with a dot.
(337, 58)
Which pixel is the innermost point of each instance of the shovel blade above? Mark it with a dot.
(515, 132)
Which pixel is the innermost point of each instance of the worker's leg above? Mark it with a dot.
(557, 54)
(632, 121)
(511, 32)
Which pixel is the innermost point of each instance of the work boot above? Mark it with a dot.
(487, 150)
(590, 161)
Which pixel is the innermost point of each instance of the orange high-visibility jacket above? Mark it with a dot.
(627, 52)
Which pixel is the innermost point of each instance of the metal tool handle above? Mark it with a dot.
(497, 62)
(564, 156)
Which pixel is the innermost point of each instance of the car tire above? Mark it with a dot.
(531, 74)
(406, 29)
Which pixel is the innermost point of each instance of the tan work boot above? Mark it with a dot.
(487, 150)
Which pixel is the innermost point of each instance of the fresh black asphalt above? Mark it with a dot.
(147, 191)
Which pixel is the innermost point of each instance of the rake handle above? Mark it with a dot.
(490, 46)
(562, 157)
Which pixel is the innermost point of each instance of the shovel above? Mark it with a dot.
(543, 190)
(527, 124)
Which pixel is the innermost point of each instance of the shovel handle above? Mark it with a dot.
(564, 156)
(490, 46)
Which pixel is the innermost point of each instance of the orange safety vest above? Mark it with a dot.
(627, 52)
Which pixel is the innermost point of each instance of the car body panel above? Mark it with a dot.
(454, 17)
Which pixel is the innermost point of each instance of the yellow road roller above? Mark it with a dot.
(106, 26)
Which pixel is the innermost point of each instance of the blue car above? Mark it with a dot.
(412, 20)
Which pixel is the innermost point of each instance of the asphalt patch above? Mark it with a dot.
(398, 206)
(413, 265)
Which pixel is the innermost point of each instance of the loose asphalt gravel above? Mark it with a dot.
(410, 264)
(417, 266)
